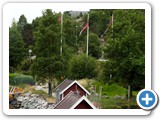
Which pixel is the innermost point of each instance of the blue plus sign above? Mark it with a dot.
(147, 99)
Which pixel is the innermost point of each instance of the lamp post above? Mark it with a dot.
(30, 51)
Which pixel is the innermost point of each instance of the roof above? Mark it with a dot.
(71, 100)
(67, 84)
(64, 84)
(68, 101)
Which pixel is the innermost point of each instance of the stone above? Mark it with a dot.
(123, 97)
(20, 98)
(117, 97)
(27, 94)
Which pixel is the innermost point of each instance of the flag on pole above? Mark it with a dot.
(60, 19)
(108, 26)
(84, 28)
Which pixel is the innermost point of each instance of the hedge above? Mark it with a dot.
(17, 79)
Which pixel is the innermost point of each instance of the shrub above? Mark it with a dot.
(82, 67)
(17, 79)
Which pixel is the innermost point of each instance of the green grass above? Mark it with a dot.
(112, 103)
(112, 90)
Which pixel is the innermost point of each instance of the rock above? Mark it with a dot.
(31, 101)
(123, 97)
(27, 94)
(117, 97)
(20, 98)
(105, 96)
(34, 95)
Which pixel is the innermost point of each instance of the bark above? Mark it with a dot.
(49, 88)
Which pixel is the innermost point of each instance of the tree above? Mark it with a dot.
(126, 52)
(82, 67)
(94, 46)
(21, 23)
(16, 46)
(47, 65)
(28, 35)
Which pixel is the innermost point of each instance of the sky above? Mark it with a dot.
(31, 14)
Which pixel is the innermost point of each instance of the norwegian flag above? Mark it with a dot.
(108, 26)
(87, 24)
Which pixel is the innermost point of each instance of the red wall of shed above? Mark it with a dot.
(74, 88)
(83, 105)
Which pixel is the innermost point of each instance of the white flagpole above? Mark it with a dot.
(87, 35)
(112, 26)
(61, 33)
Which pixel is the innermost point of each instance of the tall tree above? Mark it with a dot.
(126, 52)
(47, 65)
(21, 23)
(16, 46)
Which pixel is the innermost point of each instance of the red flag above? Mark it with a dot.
(110, 22)
(108, 26)
(84, 28)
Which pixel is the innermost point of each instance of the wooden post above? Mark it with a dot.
(128, 95)
(100, 92)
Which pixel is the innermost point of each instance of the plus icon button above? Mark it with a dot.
(147, 99)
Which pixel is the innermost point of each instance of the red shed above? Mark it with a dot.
(69, 85)
(74, 101)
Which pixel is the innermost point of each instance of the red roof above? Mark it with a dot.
(68, 101)
(68, 83)
(64, 84)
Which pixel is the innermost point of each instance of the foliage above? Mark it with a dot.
(82, 67)
(25, 65)
(48, 65)
(28, 35)
(19, 79)
(16, 46)
(126, 53)
(21, 23)
(94, 46)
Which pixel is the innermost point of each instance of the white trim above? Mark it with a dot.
(63, 99)
(80, 100)
(71, 85)
(62, 95)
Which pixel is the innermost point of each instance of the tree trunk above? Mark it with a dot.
(131, 92)
(49, 88)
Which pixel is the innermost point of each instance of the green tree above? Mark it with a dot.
(48, 64)
(16, 46)
(126, 53)
(21, 23)
(82, 67)
(94, 46)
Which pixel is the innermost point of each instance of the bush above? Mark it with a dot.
(17, 79)
(82, 67)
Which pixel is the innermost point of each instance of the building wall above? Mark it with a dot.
(83, 105)
(74, 88)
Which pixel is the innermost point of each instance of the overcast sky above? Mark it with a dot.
(31, 14)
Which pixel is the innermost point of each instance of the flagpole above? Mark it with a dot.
(112, 26)
(87, 35)
(61, 49)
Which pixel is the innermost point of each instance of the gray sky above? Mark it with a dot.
(30, 14)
